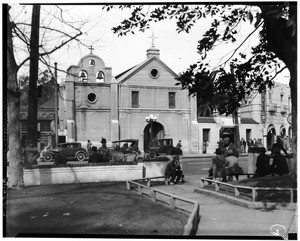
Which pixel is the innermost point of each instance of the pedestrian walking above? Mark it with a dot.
(104, 151)
(89, 147)
(179, 144)
(243, 145)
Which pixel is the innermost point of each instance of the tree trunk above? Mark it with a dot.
(283, 42)
(293, 87)
(15, 173)
(236, 133)
(33, 76)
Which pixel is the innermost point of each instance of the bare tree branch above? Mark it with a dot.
(235, 50)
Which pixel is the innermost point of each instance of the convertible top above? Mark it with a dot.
(126, 140)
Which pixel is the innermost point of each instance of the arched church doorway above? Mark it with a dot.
(153, 132)
(271, 137)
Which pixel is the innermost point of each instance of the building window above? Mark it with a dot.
(46, 126)
(248, 134)
(92, 98)
(135, 99)
(154, 73)
(92, 62)
(172, 103)
(24, 127)
(270, 95)
(206, 135)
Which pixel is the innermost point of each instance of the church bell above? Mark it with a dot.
(82, 75)
(100, 76)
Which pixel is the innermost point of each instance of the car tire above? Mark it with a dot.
(48, 157)
(80, 156)
(152, 155)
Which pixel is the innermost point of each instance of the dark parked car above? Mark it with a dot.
(160, 147)
(70, 150)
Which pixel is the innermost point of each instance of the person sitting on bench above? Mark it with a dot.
(262, 163)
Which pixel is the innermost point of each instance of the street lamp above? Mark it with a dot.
(150, 119)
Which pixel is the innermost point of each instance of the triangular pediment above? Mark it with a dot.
(150, 72)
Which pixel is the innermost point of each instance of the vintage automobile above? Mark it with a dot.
(159, 148)
(127, 145)
(70, 150)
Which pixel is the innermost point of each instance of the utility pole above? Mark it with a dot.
(56, 105)
(33, 75)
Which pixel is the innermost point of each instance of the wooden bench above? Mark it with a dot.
(237, 176)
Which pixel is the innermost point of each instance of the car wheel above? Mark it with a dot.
(80, 156)
(48, 157)
(152, 155)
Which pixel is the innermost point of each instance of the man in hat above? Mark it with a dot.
(104, 151)
(95, 156)
(228, 148)
(173, 170)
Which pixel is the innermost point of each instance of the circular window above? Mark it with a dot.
(92, 97)
(154, 73)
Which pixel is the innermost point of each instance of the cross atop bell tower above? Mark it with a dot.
(152, 37)
(91, 48)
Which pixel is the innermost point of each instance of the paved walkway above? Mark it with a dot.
(219, 217)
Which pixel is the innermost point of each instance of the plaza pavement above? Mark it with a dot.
(219, 218)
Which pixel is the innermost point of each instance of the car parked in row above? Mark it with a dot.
(69, 151)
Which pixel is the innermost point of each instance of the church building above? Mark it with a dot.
(144, 103)
(141, 103)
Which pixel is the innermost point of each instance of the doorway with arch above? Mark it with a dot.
(153, 132)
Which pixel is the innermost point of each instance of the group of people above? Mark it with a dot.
(126, 153)
(225, 163)
(245, 145)
(279, 165)
(98, 155)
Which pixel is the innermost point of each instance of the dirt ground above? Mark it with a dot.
(87, 210)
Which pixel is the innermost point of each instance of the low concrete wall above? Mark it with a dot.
(82, 174)
(153, 168)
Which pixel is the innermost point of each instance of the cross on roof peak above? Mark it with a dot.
(91, 48)
(152, 37)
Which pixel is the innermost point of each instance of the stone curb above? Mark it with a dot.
(248, 204)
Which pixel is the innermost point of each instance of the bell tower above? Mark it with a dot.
(88, 106)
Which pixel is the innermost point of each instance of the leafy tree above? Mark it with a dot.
(226, 85)
(18, 41)
(45, 82)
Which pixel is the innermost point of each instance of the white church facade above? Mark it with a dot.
(94, 104)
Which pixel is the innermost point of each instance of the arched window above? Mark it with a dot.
(92, 62)
(100, 77)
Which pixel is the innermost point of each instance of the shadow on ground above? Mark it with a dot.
(87, 209)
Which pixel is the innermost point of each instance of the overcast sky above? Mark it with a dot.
(177, 50)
